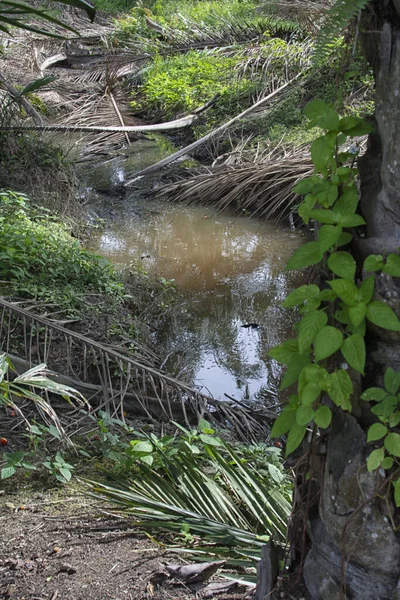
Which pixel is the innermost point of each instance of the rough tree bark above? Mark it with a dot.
(355, 549)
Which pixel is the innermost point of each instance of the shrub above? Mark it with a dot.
(39, 256)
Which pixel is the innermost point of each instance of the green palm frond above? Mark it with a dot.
(229, 506)
(338, 17)
(25, 16)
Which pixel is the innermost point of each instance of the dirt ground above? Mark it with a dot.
(50, 549)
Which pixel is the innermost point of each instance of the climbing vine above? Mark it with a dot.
(334, 315)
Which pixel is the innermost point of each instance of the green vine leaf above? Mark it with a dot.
(328, 340)
(392, 266)
(342, 264)
(357, 314)
(294, 369)
(392, 444)
(396, 485)
(323, 417)
(352, 221)
(348, 201)
(299, 295)
(376, 432)
(353, 350)
(295, 437)
(344, 239)
(284, 422)
(321, 115)
(354, 126)
(374, 393)
(391, 380)
(304, 415)
(375, 459)
(328, 236)
(305, 256)
(382, 315)
(366, 290)
(323, 215)
(309, 326)
(285, 352)
(373, 262)
(387, 463)
(321, 151)
(340, 389)
(310, 393)
(346, 290)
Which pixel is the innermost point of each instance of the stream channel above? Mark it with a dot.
(229, 269)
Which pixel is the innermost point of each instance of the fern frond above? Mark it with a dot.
(338, 17)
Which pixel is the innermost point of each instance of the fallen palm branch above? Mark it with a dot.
(215, 133)
(230, 506)
(263, 188)
(121, 382)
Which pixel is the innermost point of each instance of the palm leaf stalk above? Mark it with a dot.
(230, 507)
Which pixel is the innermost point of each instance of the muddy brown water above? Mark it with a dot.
(230, 271)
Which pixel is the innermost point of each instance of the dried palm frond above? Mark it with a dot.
(263, 188)
(307, 13)
(109, 378)
(27, 387)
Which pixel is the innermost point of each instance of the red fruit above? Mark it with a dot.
(3, 442)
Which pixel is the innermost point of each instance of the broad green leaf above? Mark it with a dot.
(346, 205)
(375, 459)
(295, 437)
(322, 151)
(323, 417)
(387, 463)
(328, 340)
(392, 380)
(360, 329)
(299, 295)
(316, 374)
(304, 415)
(7, 472)
(344, 239)
(309, 326)
(354, 126)
(284, 422)
(374, 393)
(366, 290)
(328, 235)
(340, 389)
(66, 473)
(305, 256)
(210, 440)
(380, 314)
(394, 419)
(321, 115)
(327, 295)
(346, 290)
(323, 215)
(392, 444)
(142, 447)
(310, 393)
(376, 432)
(306, 206)
(351, 221)
(396, 485)
(386, 407)
(373, 262)
(353, 350)
(342, 264)
(293, 371)
(357, 314)
(311, 304)
(285, 352)
(305, 186)
(392, 266)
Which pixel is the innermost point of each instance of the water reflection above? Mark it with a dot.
(231, 271)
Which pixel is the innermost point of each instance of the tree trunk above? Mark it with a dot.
(355, 549)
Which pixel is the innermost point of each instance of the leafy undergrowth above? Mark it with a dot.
(40, 258)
